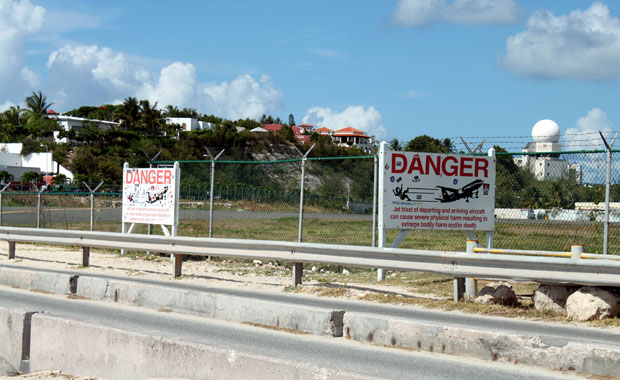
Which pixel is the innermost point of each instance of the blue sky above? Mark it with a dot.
(399, 68)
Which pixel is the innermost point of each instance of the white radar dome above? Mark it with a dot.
(546, 131)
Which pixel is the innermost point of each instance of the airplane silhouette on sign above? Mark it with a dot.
(468, 191)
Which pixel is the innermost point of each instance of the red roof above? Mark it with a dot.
(272, 127)
(350, 131)
(323, 129)
(277, 127)
(52, 112)
(305, 126)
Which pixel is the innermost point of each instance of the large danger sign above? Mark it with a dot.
(437, 191)
(149, 195)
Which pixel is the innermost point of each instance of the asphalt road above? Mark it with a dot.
(19, 216)
(331, 353)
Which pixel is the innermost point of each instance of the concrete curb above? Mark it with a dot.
(15, 333)
(79, 347)
(225, 307)
(486, 345)
(56, 283)
(603, 359)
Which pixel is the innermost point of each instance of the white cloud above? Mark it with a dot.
(328, 53)
(6, 105)
(368, 120)
(176, 86)
(242, 97)
(18, 20)
(585, 134)
(93, 75)
(421, 13)
(82, 74)
(416, 94)
(582, 45)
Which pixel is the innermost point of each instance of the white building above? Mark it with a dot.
(13, 162)
(68, 123)
(189, 124)
(543, 154)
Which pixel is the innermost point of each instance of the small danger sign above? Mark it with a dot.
(150, 195)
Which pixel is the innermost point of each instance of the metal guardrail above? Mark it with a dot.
(591, 256)
(551, 270)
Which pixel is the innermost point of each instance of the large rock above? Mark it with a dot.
(497, 293)
(552, 297)
(590, 303)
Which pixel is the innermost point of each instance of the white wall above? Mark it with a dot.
(11, 147)
(43, 161)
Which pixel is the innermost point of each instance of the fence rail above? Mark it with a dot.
(551, 270)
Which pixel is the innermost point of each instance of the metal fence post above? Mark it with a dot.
(381, 232)
(374, 200)
(607, 190)
(298, 268)
(39, 205)
(148, 226)
(213, 159)
(2, 191)
(92, 205)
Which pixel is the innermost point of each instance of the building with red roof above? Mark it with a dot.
(350, 136)
(297, 131)
(324, 131)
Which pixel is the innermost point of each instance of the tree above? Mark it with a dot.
(395, 145)
(128, 113)
(12, 116)
(291, 120)
(31, 177)
(37, 104)
(59, 179)
(429, 144)
(5, 176)
(150, 117)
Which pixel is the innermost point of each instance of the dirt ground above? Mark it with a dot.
(256, 275)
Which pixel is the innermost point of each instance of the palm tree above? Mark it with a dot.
(129, 112)
(37, 104)
(13, 116)
(171, 111)
(150, 116)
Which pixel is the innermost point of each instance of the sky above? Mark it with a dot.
(392, 68)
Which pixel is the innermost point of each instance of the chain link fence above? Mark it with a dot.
(543, 202)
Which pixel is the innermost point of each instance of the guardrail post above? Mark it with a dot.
(11, 250)
(85, 256)
(471, 284)
(459, 288)
(178, 265)
(575, 251)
